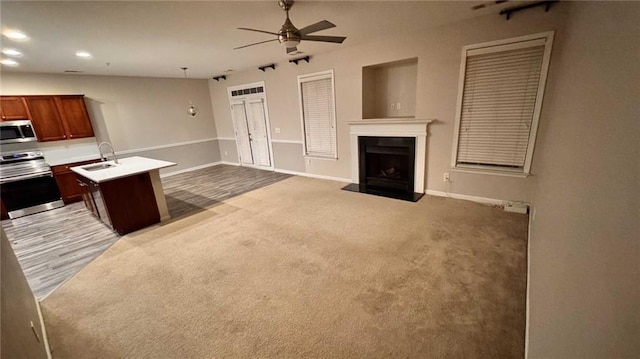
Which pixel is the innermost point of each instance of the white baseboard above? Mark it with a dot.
(483, 200)
(229, 163)
(312, 175)
(295, 173)
(169, 174)
(528, 300)
(43, 329)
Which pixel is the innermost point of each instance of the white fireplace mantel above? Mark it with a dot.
(392, 128)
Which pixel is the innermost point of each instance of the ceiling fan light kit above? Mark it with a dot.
(290, 36)
(221, 77)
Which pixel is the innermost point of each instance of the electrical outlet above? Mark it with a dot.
(226, 153)
(445, 177)
(277, 129)
(398, 106)
(393, 106)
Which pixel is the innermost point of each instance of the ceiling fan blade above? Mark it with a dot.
(255, 43)
(336, 39)
(291, 49)
(256, 30)
(320, 25)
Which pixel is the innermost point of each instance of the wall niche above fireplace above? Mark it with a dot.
(389, 89)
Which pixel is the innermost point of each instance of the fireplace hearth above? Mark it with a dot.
(387, 167)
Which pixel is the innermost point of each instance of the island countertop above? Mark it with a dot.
(125, 167)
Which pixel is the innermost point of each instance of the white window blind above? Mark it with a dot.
(499, 105)
(318, 114)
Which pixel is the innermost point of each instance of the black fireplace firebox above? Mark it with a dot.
(386, 167)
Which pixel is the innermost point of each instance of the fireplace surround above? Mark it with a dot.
(388, 157)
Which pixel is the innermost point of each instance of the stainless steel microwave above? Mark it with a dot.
(16, 132)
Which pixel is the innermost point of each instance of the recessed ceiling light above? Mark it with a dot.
(84, 54)
(16, 35)
(9, 62)
(12, 52)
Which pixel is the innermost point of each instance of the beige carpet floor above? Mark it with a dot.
(301, 269)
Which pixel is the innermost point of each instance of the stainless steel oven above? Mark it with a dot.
(27, 185)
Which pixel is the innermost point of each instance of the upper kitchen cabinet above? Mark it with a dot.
(75, 116)
(45, 118)
(60, 117)
(13, 108)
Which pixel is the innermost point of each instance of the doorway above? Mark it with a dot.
(251, 125)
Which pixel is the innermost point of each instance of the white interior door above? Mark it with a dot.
(258, 138)
(239, 114)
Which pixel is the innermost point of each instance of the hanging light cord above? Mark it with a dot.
(191, 110)
(184, 69)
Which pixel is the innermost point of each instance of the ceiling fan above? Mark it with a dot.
(289, 36)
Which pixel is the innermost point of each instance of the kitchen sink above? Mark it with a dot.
(101, 166)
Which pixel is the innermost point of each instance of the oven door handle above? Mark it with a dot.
(26, 177)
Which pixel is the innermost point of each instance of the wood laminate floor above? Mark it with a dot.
(53, 246)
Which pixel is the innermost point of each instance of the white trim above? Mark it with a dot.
(313, 175)
(417, 129)
(483, 200)
(528, 301)
(487, 171)
(244, 86)
(152, 148)
(490, 46)
(321, 158)
(169, 174)
(546, 60)
(297, 142)
(226, 138)
(510, 40)
(43, 329)
(311, 77)
(246, 99)
(229, 163)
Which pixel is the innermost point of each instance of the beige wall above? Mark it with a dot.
(438, 52)
(585, 251)
(585, 235)
(132, 112)
(18, 309)
(391, 83)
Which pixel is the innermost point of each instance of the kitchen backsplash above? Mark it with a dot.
(59, 152)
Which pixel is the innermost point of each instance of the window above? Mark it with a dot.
(317, 104)
(499, 102)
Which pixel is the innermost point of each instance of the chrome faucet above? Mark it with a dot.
(103, 157)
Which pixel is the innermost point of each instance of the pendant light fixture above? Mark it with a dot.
(192, 110)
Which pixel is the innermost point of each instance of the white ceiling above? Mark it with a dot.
(155, 39)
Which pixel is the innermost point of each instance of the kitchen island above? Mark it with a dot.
(126, 196)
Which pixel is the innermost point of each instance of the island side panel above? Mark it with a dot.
(159, 193)
(131, 202)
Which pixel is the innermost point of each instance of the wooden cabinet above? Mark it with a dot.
(74, 115)
(54, 118)
(45, 118)
(125, 204)
(13, 108)
(67, 181)
(3, 211)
